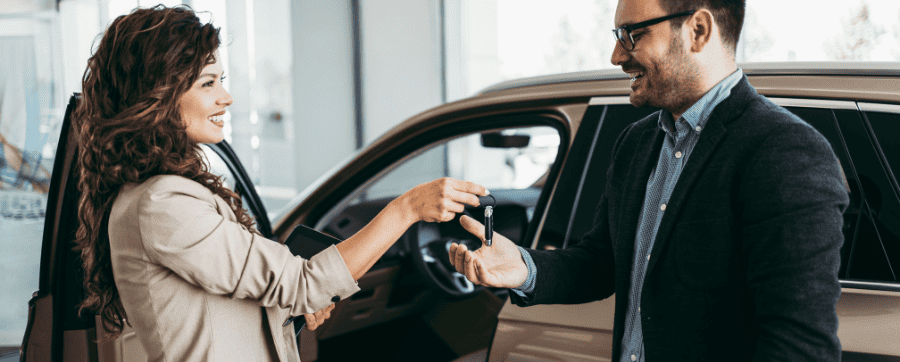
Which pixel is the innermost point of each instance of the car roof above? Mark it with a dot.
(843, 68)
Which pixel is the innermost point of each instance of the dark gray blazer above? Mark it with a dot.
(746, 258)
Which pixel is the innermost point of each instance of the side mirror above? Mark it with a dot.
(499, 140)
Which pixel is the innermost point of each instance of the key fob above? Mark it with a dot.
(488, 225)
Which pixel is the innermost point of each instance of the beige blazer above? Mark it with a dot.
(197, 286)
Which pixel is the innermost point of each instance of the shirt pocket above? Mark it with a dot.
(703, 253)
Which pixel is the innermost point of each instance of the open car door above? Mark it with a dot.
(55, 331)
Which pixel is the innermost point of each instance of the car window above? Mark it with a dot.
(886, 129)
(883, 217)
(874, 253)
(586, 167)
(501, 160)
(825, 121)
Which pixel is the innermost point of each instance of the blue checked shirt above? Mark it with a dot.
(680, 139)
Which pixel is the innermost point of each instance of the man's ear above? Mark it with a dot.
(701, 26)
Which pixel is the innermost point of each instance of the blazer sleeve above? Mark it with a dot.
(182, 227)
(584, 272)
(581, 273)
(791, 202)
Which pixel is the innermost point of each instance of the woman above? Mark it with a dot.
(182, 260)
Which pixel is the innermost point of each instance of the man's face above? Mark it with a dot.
(664, 75)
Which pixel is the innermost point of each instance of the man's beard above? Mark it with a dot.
(673, 85)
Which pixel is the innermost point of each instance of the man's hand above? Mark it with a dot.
(498, 266)
(316, 319)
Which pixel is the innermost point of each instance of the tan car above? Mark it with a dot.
(537, 143)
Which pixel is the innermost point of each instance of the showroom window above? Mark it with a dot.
(31, 108)
(489, 41)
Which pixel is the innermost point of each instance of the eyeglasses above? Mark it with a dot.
(623, 33)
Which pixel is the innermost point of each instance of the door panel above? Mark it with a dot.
(535, 341)
(869, 321)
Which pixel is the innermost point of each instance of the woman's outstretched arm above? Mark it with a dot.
(436, 201)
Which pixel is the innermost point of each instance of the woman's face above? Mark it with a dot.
(203, 106)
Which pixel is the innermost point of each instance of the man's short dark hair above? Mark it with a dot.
(729, 16)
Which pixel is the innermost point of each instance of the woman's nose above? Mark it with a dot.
(226, 99)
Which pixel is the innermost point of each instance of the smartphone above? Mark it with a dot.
(305, 241)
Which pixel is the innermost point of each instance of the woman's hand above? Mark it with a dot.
(434, 201)
(316, 319)
(439, 200)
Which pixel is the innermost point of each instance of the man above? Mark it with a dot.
(720, 227)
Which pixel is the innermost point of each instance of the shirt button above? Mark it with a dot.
(335, 299)
(678, 154)
(633, 358)
(639, 309)
(698, 128)
(648, 256)
(662, 207)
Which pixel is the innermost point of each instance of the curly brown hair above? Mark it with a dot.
(130, 128)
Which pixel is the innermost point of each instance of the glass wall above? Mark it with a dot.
(509, 39)
(31, 105)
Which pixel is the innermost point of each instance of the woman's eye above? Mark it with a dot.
(208, 84)
(222, 79)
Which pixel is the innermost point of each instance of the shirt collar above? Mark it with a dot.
(697, 115)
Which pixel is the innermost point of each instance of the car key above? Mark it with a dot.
(488, 202)
(488, 225)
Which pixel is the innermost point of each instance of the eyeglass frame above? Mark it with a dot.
(629, 28)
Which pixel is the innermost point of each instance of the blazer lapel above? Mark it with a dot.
(730, 109)
(644, 162)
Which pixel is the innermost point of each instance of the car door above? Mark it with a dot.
(55, 331)
(473, 145)
(580, 332)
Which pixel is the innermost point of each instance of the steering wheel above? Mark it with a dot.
(432, 261)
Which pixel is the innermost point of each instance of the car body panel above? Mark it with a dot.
(869, 321)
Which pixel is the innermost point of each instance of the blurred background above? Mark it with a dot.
(316, 81)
